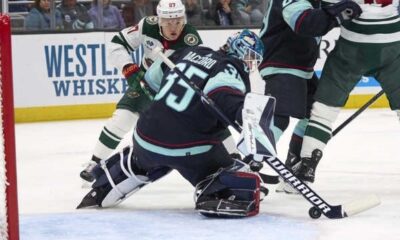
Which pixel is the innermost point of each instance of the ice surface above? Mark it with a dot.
(362, 159)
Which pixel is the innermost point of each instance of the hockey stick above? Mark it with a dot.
(320, 206)
(358, 112)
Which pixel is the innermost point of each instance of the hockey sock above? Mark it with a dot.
(280, 125)
(113, 132)
(319, 129)
(297, 137)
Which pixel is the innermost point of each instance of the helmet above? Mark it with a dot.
(170, 9)
(247, 46)
(171, 18)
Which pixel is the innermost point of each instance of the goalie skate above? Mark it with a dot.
(96, 196)
(93, 198)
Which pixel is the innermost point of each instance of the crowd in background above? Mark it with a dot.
(117, 14)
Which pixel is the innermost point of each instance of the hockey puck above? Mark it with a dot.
(314, 212)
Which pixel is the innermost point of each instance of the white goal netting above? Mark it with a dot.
(3, 180)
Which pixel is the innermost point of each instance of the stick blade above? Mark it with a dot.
(361, 205)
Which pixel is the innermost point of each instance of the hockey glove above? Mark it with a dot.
(343, 10)
(133, 74)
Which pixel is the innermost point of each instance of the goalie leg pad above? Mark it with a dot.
(129, 186)
(257, 115)
(228, 194)
(118, 178)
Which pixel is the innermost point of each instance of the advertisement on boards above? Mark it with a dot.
(68, 76)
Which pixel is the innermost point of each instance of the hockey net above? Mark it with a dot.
(8, 180)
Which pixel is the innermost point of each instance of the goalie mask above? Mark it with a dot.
(171, 18)
(247, 46)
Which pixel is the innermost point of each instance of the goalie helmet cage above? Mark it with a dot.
(9, 201)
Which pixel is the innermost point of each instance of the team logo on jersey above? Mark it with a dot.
(150, 44)
(191, 39)
(152, 20)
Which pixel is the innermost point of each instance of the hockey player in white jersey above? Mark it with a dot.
(168, 30)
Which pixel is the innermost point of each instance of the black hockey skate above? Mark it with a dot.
(86, 174)
(305, 170)
(291, 160)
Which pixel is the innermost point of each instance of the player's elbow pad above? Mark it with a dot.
(314, 23)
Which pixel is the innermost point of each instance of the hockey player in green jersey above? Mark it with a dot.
(368, 46)
(168, 30)
(292, 31)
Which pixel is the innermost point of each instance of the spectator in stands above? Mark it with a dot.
(142, 9)
(74, 15)
(206, 12)
(193, 12)
(14, 6)
(249, 12)
(134, 11)
(221, 11)
(128, 14)
(112, 17)
(39, 16)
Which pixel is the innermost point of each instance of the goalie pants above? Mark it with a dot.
(193, 168)
(349, 61)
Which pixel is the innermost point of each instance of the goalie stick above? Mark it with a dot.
(320, 206)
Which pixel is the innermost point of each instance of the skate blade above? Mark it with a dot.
(89, 200)
(286, 188)
(280, 187)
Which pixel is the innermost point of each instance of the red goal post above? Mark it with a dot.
(9, 210)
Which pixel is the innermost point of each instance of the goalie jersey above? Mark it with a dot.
(178, 119)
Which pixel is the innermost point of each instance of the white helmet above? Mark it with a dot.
(170, 9)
